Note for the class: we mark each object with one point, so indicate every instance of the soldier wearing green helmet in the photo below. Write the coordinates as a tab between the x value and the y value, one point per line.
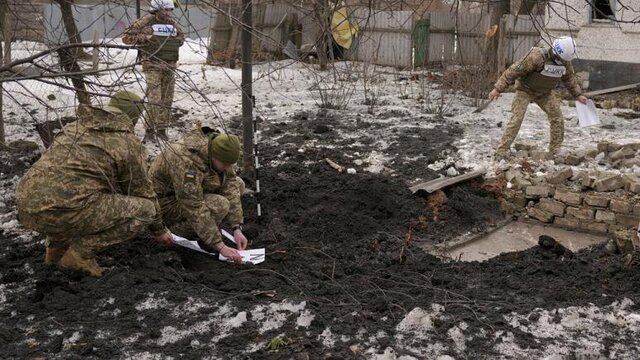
158	36
90	189
198	189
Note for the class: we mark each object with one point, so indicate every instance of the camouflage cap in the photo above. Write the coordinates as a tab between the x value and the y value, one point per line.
128	102
225	147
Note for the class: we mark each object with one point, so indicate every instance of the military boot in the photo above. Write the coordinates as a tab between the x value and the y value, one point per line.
149	136
74	261
54	254
162	134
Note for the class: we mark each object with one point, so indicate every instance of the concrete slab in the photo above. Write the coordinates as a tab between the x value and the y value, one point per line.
516	236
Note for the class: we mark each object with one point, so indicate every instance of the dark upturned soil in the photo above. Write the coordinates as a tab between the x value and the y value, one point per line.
344	243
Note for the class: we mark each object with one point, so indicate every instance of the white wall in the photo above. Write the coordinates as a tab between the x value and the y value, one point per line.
608	41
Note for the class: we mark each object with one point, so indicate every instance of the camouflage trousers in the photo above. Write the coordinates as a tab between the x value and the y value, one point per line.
550	104
106	220
159	93
176	219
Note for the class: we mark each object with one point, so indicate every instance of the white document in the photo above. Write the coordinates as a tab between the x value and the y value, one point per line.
587	115
253	256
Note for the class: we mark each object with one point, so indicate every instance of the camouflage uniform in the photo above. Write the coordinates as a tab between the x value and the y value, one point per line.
90	190
195	198
159	55
535	77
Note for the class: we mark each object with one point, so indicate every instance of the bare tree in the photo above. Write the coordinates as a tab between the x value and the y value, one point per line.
71	28
497	9
321	16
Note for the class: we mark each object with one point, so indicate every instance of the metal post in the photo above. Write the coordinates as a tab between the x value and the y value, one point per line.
4	15
257	168
138	9
246	86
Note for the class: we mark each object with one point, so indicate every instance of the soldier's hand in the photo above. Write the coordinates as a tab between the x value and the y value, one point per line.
494	94
230	253
166	238
583	99
240	239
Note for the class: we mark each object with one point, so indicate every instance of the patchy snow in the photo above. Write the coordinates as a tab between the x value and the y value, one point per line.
172	334
274	315
327	338
211	95
583	327
305	318
191	306
152	303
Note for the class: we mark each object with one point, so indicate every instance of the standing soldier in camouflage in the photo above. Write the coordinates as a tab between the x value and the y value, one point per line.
198	189
90	190
158	37
535	77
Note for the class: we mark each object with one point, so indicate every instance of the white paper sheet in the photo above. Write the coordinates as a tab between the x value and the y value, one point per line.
253	256
587	115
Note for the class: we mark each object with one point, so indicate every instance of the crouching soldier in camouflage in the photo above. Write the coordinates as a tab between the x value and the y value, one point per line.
158	37
198	189
90	190
535	77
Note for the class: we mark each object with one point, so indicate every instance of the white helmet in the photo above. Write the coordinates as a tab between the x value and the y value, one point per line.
155	5
565	48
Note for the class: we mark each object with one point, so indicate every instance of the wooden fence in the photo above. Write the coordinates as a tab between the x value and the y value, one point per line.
385	37
274	25
519	34
392	38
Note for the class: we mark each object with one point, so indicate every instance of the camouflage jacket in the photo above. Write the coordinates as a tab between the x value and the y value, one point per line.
535	61
99	153
140	33
184	171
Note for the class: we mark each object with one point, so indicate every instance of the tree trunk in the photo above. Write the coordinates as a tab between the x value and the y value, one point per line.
321	15
71	28
4	6
69	64
497	9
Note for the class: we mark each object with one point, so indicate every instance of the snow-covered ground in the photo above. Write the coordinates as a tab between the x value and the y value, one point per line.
286	87
211	96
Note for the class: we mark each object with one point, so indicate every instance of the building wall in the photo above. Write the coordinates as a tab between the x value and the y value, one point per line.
597	40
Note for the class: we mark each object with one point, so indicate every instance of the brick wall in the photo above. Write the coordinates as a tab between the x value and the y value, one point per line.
594	201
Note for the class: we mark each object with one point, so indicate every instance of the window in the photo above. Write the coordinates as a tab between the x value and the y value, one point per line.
603	9
532	7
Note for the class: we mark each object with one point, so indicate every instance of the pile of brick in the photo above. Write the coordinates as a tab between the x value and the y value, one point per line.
592	201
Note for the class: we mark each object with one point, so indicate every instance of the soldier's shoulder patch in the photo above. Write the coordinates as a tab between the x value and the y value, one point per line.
519	67
190	175
189	184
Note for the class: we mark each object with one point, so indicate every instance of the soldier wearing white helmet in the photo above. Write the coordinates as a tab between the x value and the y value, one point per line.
565	48
158	37
535	76
156	5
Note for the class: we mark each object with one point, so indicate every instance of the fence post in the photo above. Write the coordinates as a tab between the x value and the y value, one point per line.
502	41
212	23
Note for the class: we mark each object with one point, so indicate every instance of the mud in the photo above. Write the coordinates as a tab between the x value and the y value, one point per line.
344	244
